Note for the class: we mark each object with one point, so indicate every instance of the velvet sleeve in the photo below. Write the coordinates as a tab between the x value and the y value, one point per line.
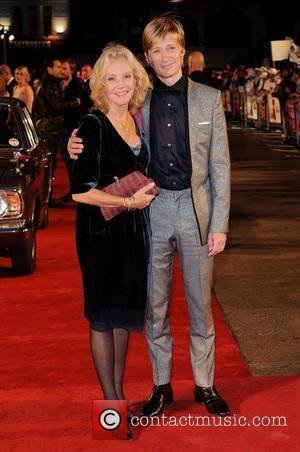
86	169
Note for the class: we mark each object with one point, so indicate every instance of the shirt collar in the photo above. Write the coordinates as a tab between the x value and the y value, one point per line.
178	87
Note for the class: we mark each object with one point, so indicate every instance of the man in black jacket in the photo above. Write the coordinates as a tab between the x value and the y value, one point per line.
86	91
196	66
9	78
72	90
49	106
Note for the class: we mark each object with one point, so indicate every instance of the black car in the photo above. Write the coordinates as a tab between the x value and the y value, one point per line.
25	184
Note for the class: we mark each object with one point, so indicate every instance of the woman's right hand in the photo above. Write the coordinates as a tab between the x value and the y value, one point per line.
141	198
75	145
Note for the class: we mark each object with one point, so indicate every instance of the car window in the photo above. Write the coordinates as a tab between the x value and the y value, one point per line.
9	135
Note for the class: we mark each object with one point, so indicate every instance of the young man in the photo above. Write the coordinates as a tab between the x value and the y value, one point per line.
190	163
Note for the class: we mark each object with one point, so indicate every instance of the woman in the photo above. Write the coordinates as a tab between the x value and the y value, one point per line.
23	90
113	255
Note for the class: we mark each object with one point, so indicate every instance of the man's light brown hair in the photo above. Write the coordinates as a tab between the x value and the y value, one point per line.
158	29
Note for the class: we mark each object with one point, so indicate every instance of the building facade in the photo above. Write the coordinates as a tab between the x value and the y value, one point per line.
231	31
41	28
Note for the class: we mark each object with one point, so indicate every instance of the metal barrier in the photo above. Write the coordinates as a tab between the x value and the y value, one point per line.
292	115
264	112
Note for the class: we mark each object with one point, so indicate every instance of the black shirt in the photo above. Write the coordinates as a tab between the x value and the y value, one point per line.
170	165
10	86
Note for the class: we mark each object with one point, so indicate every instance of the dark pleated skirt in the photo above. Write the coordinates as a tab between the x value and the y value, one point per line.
114	260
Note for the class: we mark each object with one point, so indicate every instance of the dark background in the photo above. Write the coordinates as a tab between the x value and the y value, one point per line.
226	31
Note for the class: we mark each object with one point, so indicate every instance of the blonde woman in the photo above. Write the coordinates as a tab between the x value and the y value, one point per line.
113	254
23	90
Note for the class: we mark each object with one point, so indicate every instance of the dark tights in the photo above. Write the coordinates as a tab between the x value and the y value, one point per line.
109	349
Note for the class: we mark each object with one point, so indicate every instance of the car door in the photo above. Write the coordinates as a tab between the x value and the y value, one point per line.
39	164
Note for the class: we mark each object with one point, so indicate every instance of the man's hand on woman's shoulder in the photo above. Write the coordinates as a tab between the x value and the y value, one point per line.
75	145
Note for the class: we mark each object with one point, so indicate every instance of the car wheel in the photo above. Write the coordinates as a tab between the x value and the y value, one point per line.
24	255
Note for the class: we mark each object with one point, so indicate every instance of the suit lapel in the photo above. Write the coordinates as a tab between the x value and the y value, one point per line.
199	113
193	113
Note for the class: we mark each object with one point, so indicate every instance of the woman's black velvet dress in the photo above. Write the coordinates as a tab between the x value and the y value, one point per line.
113	255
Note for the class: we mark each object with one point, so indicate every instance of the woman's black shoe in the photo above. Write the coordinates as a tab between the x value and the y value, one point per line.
130	415
161	395
129	434
212	400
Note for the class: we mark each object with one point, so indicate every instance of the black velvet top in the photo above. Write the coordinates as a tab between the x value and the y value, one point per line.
108	156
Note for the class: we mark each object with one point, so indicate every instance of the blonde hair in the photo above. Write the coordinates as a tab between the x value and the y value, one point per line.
112	52
25	72
158	29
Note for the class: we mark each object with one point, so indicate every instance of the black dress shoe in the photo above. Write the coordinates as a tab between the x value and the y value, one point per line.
161	395
212	400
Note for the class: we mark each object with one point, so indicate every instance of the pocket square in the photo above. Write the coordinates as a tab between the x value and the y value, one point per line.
203	123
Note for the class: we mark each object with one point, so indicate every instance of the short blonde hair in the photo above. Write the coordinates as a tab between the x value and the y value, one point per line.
25	71
158	29
111	52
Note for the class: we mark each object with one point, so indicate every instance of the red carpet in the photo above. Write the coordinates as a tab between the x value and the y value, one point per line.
47	381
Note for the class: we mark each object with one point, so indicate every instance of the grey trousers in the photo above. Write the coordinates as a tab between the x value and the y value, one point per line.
174	227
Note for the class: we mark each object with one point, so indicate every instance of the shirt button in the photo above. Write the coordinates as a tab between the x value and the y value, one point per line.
169	125
169	105
169	145
174	183
171	164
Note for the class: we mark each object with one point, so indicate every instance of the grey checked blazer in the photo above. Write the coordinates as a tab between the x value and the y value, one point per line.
209	156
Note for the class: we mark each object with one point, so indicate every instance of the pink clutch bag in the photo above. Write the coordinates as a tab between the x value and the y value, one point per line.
126	186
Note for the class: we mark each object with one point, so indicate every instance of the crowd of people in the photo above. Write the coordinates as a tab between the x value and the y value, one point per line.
73	82
61	97
57	101
283	82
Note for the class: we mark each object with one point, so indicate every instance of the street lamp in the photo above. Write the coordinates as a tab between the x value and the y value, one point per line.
5	35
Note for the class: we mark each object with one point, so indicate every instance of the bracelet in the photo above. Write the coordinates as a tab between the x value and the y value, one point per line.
130	200
129	203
